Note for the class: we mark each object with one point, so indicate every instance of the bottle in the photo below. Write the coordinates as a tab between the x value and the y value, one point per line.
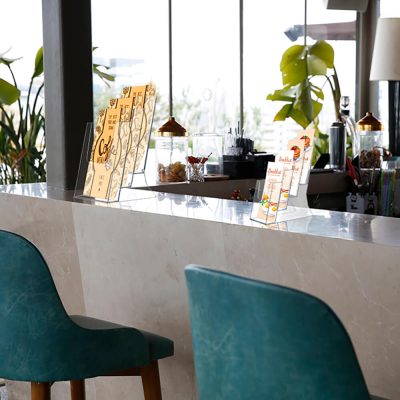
337	145
350	125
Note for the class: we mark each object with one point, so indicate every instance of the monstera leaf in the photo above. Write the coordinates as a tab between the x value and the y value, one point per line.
303	99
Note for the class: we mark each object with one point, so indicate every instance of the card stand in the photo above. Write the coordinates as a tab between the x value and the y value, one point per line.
141	127
88	174
265	207
285	191
293	186
261	213
84	163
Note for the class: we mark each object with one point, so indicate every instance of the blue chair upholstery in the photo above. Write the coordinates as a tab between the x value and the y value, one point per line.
254	340
39	342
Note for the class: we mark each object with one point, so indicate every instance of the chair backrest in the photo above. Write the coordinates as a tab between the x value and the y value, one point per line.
31	312
255	340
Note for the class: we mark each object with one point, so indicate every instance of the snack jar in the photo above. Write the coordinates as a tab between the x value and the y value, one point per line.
171	146
371	141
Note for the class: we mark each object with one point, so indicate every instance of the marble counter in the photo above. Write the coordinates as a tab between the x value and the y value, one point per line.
330	224
124	262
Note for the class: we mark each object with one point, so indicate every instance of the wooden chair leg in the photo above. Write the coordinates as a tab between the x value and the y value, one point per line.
78	390
40	391
151	381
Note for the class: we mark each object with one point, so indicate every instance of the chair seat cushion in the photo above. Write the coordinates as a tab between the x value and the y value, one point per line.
158	346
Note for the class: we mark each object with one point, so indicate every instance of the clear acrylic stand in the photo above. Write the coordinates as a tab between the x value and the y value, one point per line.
262	214
103	181
265	208
291	190
141	126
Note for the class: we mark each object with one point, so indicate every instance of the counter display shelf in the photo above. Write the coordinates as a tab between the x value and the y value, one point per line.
124	262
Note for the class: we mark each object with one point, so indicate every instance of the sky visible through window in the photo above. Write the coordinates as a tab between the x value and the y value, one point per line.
21	34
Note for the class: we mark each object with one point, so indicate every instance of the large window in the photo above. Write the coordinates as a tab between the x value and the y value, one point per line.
269	31
206	64
132	39
21	34
205	43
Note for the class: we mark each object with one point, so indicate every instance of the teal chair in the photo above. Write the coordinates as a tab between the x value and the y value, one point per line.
41	344
256	341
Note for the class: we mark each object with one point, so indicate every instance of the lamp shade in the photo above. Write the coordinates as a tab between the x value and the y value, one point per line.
386	56
356	5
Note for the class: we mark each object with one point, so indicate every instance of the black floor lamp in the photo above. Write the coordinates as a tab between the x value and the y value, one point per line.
386	67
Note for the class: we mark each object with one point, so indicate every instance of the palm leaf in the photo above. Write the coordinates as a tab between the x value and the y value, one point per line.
7	61
9	94
38	64
11	134
103	75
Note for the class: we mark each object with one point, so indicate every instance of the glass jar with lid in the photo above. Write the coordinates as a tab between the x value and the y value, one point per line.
371	141
171	147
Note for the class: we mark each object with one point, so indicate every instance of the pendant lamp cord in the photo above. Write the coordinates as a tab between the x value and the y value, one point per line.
171	108
305	22
241	117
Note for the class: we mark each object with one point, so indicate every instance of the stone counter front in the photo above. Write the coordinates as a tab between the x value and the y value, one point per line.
125	262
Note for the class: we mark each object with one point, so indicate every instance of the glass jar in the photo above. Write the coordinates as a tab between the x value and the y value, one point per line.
371	141
171	148
196	172
209	145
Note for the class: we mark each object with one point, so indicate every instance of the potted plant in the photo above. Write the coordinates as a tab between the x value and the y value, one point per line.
22	144
300	66
22	128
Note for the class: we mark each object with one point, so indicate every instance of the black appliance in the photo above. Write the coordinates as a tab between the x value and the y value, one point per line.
246	167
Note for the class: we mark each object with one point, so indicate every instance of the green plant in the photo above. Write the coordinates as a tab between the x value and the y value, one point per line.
22	128
104	76
22	144
300	66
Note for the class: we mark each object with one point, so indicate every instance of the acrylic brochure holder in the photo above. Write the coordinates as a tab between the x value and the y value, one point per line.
266	214
109	164
141	127
282	195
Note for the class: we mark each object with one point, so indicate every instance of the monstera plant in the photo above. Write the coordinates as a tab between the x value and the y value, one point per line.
301	66
22	124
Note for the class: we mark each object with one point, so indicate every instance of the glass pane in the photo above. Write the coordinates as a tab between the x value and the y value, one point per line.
134	43
21	33
206	64
269	31
21	37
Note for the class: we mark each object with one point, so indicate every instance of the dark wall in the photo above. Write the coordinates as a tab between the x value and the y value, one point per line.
67	41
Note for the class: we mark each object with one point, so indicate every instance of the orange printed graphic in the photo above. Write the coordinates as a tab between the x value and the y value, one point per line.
307	141
297	151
